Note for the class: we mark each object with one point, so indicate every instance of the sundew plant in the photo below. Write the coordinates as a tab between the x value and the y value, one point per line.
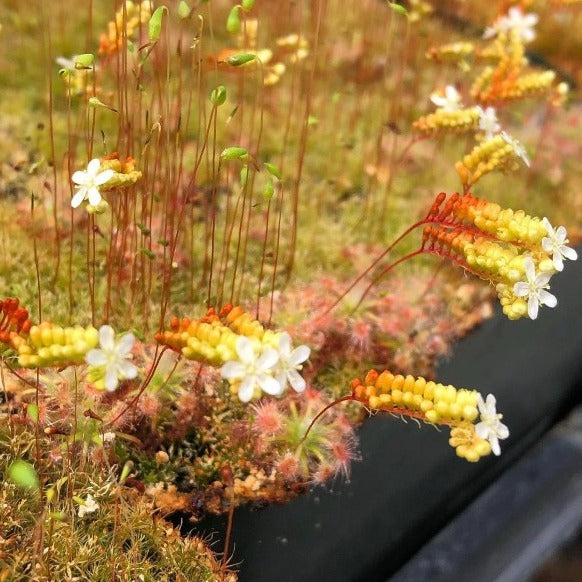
232	231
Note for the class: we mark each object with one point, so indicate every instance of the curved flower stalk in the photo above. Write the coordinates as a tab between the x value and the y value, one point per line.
515	251
435	403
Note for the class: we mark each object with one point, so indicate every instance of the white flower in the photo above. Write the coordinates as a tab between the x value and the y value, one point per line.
518	149
488	121
534	288
88	506
555	243
113	357
490	428
88	183
109	437
68	64
517	21
289	363
252	370
450	101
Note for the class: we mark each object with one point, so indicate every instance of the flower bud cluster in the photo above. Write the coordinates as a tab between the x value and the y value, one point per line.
506	81
476	426
488	156
53	345
212	338
468	444
14	322
136	14
454	52
124	173
444	121
435	402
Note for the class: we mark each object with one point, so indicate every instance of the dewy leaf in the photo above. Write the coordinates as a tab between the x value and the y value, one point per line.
155	24
398	8
23	474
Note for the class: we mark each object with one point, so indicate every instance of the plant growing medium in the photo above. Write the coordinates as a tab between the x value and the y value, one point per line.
199	302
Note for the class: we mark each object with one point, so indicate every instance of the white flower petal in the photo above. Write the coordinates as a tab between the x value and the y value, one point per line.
267	360
94	196
296	380
125	344
269	385
491	404
543	278
127	370
103	177
521	289
482	430
285	344
80	177
546	298
281	377
569	253
106	338
244	349
494	442
502	431
246	389
532	307
93	166
233	370
111	380
96	358
530	271
78	197
299	355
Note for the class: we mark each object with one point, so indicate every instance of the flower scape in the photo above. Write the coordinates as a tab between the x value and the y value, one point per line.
205	291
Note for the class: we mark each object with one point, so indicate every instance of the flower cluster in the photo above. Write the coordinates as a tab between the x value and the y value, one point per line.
497	153
110	362
102	175
515	21
128	18
435	403
252	359
269	367
517	252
